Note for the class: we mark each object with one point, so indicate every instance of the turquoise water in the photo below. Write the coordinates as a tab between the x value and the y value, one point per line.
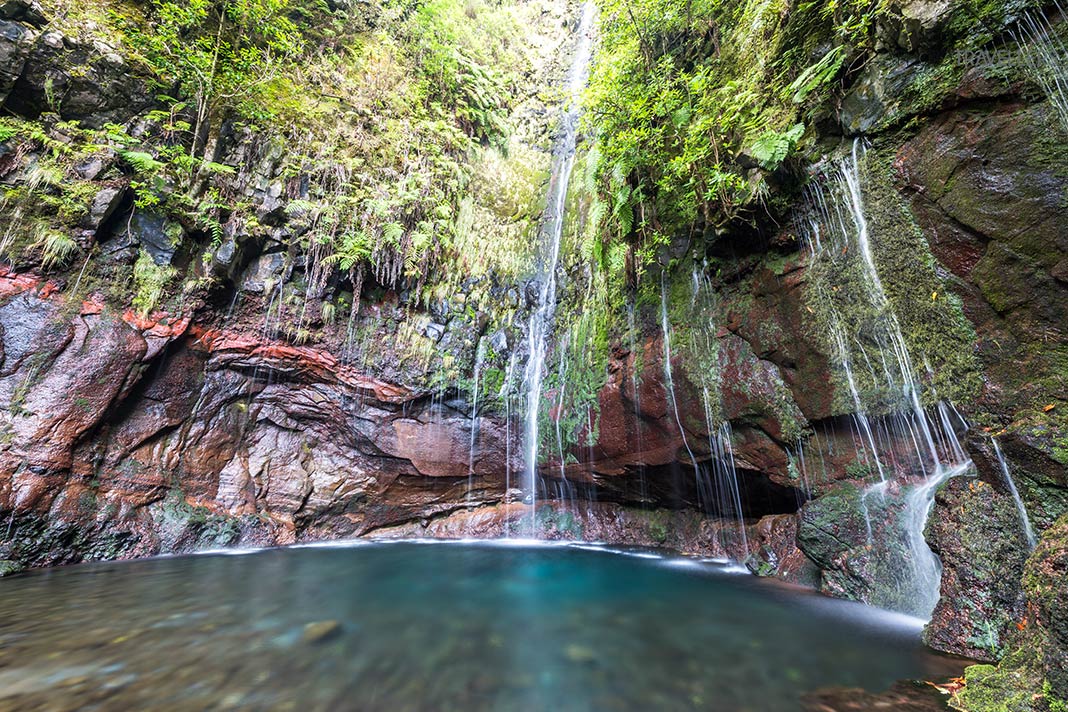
412	626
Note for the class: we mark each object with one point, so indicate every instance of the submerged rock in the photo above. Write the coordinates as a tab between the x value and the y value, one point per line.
321	631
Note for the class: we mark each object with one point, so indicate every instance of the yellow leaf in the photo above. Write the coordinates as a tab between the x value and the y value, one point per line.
1049	407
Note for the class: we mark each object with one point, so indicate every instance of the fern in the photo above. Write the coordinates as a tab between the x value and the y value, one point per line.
771	149
817	75
392	233
141	162
219	168
58	248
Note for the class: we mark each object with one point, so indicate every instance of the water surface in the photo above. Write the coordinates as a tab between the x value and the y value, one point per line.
410	626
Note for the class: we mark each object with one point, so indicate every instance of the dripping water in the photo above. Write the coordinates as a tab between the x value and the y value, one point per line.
1029	533
632	333
541	321
476	421
1046	58
936	451
669	379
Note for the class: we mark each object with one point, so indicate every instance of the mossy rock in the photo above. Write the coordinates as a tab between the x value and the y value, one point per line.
1046	585
8	567
1033	677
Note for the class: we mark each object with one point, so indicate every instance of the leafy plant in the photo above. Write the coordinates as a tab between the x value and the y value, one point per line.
772	148
58	248
150	281
818	75
141	161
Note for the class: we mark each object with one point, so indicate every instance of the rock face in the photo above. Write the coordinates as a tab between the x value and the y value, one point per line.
159	436
1044	585
124	434
980	541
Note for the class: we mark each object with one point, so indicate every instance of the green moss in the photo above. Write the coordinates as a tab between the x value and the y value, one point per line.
990	689
8	567
559	521
930	317
209	528
150	282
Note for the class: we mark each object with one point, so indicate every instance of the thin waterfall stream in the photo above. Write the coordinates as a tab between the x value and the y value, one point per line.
539	329
1025	521
936	452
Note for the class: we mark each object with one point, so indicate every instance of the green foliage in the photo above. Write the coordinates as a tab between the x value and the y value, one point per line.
58	248
681	90
141	161
220	54
772	148
818	75
150	281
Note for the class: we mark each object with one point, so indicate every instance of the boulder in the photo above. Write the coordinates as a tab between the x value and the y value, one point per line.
977	534
90	83
16	42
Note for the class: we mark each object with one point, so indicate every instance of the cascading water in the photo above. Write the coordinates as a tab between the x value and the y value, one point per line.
716	480
480	358
1046	58
541	320
632	334
669	377
933	448
1025	521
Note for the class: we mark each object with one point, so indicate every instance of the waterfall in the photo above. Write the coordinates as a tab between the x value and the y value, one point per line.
480	357
635	384
934	449
669	378
1029	533
718	491
541	320
1046	58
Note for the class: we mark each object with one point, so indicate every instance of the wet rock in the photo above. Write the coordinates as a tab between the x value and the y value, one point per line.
1045	581
28	11
767	311
859	537
875	95
976	532
914	25
266	270
776	553
754	393
159	237
224	259
902	697
8	567
985	187
434	332
16	41
86	83
92	167
498	341
104	205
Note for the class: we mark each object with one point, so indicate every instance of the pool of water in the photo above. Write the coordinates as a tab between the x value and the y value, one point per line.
418	626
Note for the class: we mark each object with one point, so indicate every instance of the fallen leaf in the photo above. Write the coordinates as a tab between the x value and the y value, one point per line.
951	687
1049	407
